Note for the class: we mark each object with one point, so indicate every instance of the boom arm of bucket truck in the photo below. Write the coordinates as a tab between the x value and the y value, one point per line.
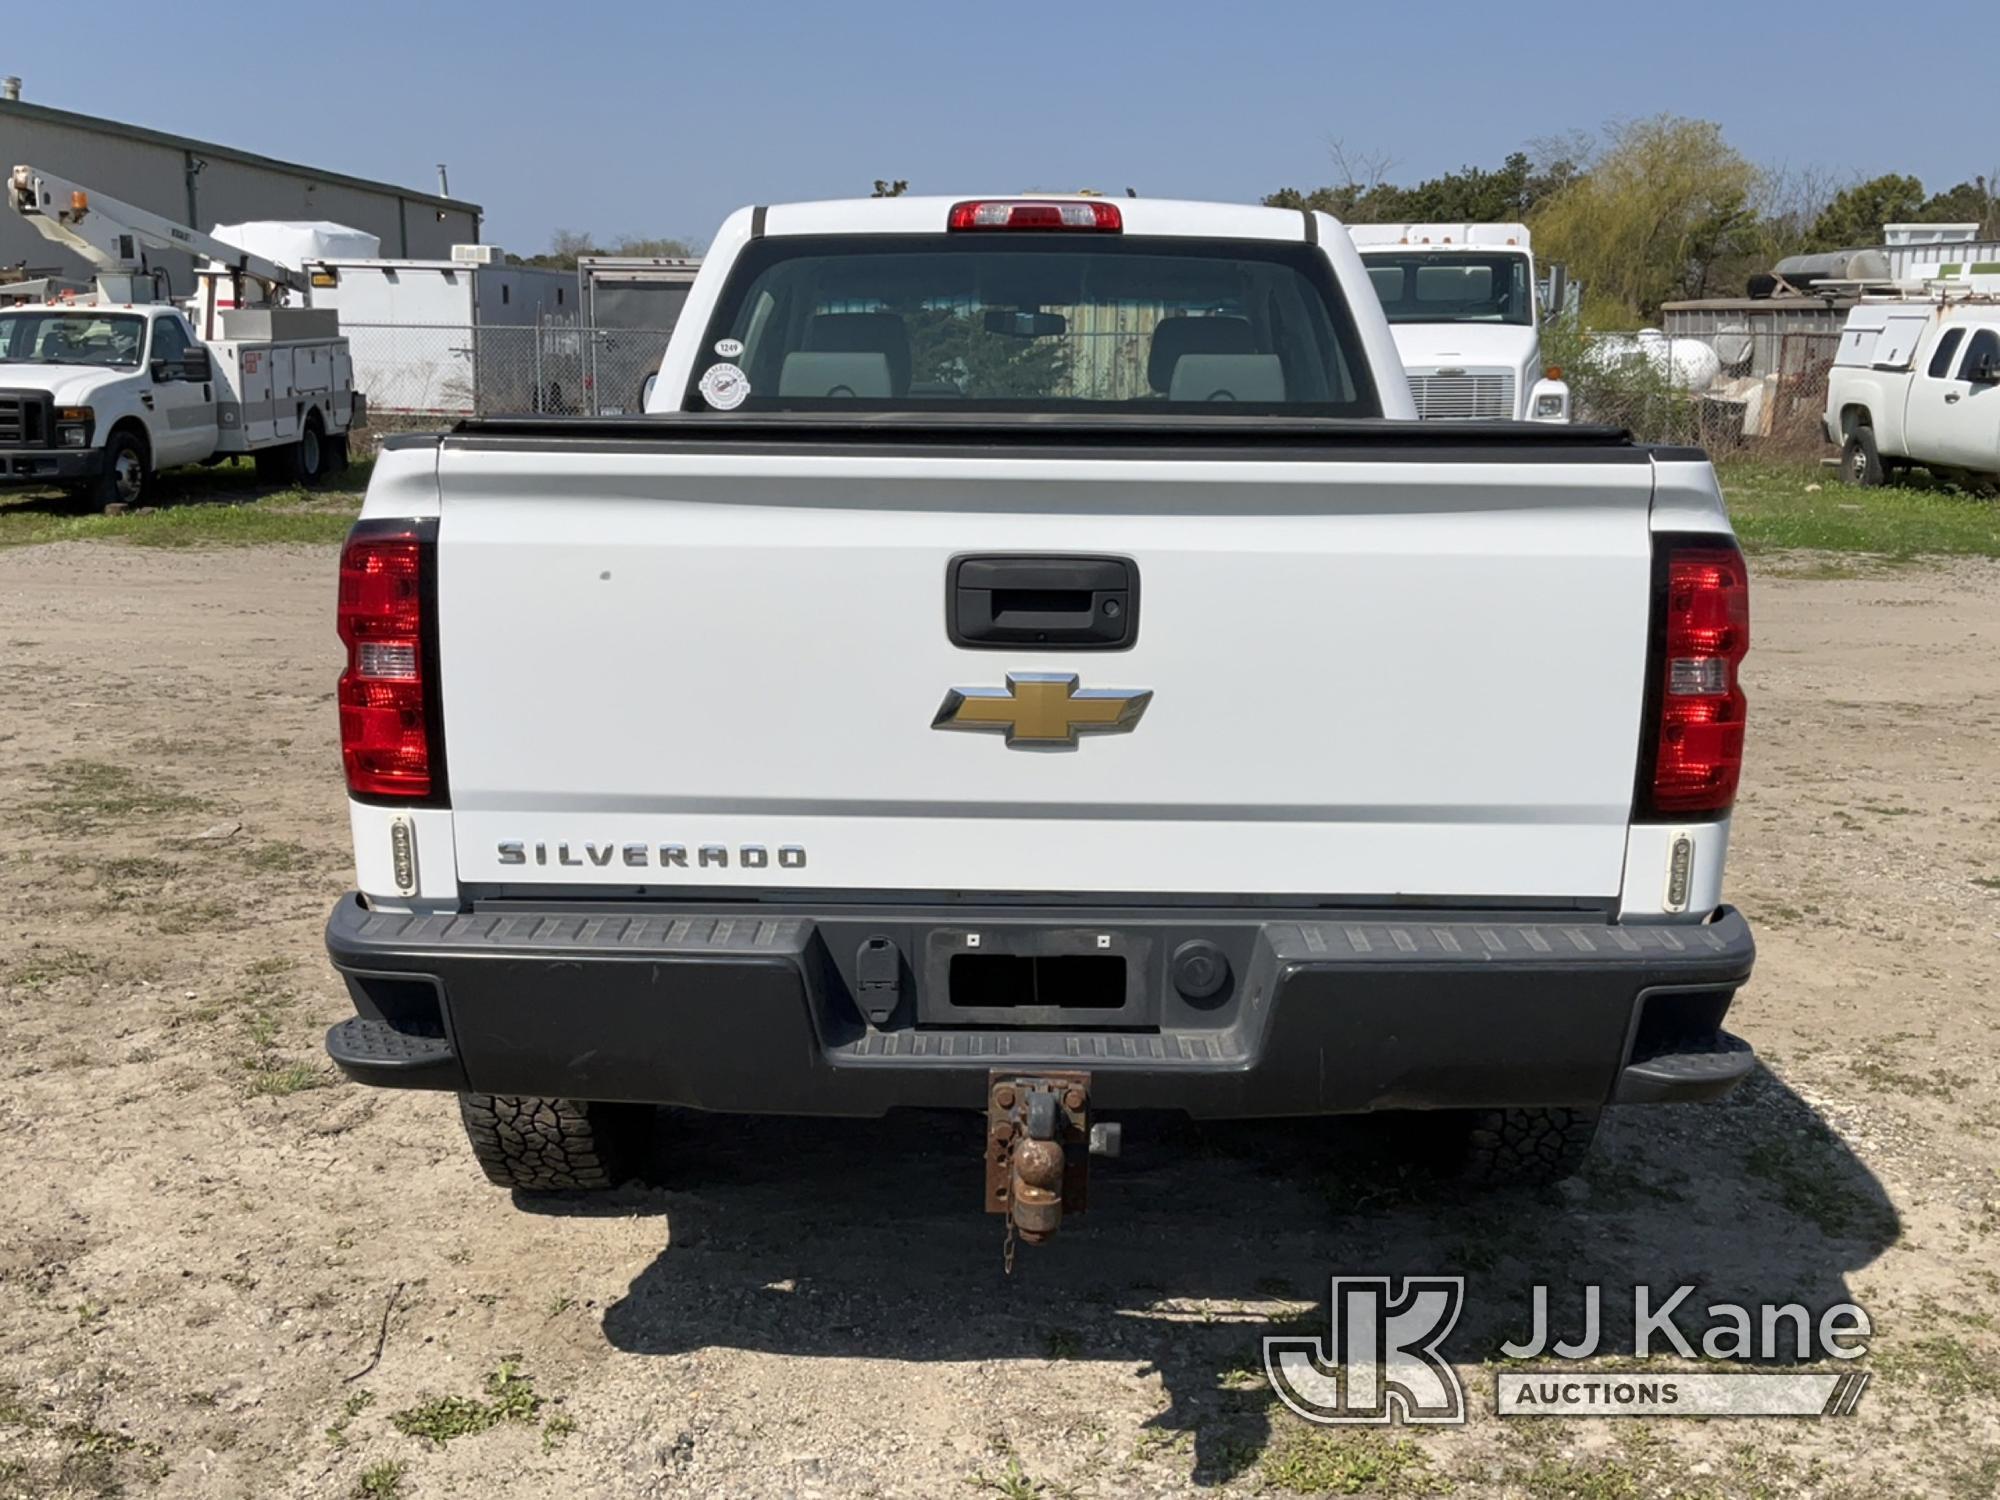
113	237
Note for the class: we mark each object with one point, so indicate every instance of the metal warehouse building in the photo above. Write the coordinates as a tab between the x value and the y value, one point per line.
203	184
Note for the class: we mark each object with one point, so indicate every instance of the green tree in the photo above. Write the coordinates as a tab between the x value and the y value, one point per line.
955	347
887	189
1968	203
1471	195
1665	211
1854	219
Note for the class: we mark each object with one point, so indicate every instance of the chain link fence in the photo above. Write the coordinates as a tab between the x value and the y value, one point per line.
1725	388
448	371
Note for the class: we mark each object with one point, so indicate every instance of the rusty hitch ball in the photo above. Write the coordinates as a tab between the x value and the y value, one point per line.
1037	1189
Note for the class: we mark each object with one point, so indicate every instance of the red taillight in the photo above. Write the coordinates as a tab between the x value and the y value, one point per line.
1019	213
1704	635
386	722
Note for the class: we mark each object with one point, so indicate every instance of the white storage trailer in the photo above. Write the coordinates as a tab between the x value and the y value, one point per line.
453	338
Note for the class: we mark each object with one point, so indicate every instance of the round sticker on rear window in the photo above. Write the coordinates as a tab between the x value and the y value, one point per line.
724	387
728	348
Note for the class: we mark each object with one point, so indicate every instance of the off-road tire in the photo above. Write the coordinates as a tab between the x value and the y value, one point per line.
1526	1145
1860	463
554	1145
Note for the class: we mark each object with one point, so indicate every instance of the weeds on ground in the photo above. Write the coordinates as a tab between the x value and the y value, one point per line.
1783	506
1318	1462
220	506
510	1397
82	796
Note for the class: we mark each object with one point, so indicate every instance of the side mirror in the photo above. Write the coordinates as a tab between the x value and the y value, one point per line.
1986	372
162	371
196	366
646	391
1558	292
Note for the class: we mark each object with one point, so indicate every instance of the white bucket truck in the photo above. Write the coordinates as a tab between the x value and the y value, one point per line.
100	391
1463	306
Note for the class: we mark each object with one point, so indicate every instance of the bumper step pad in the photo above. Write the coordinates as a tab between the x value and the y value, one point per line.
375	1052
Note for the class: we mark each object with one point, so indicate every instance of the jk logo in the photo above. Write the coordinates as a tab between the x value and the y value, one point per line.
1379	1359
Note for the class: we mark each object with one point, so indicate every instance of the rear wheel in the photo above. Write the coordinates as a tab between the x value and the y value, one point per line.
1860	462
1526	1145
538	1145
309	458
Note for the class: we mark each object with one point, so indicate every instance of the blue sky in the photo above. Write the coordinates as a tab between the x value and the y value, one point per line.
659	118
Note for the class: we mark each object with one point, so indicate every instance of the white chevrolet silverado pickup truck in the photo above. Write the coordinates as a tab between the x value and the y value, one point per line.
1031	660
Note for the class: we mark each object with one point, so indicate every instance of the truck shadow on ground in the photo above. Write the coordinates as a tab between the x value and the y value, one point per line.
863	1239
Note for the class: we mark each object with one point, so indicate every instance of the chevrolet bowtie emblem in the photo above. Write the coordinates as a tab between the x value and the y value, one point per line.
1043	708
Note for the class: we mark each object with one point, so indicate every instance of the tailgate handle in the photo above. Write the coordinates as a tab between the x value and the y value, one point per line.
1078	603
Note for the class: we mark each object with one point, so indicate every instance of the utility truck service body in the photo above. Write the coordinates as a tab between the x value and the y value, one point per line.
1462	304
889	719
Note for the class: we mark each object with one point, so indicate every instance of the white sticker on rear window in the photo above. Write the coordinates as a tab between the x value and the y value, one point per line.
728	348
724	387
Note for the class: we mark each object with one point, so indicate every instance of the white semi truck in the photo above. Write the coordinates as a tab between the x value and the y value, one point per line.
1463	305
887	718
100	391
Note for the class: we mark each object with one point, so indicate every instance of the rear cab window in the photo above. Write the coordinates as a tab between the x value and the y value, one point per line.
1024	322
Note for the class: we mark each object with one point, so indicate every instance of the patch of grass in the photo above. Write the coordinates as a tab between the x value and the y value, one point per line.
556	1431
1011	1483
193	916
1772	509
43	967
1553	1478
1318	1462
352	1407
274	1078
1810	1184
1882	1078
383	1481
280	857
1987	882
1064	1343
80	796
222	506
510	1397
1950	1368
1882	810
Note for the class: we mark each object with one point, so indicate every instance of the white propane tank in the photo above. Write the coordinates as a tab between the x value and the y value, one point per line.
1687	364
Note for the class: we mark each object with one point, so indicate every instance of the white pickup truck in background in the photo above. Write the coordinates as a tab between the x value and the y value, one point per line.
1030	661
1917	382
1461	300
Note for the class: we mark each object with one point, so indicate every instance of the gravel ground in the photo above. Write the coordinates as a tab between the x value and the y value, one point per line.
211	1237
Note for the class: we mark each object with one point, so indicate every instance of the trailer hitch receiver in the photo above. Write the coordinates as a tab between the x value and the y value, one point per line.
1037	1157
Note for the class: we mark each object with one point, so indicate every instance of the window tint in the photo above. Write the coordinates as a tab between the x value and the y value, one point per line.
1985	346
170	340
1037	323
1947	347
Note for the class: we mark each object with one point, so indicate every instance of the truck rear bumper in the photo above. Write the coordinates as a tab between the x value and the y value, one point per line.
767	1009
49	465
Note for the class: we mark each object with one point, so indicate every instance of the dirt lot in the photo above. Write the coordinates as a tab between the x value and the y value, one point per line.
208	1234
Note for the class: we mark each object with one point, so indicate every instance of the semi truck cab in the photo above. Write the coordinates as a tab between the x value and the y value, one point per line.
1462	306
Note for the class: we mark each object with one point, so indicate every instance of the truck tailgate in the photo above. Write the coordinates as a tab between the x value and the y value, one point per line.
1373	674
